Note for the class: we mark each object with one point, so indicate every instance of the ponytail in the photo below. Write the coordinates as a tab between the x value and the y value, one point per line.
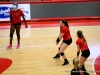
76	63
83	38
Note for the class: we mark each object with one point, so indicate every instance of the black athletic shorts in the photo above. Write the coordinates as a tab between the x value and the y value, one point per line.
86	53
68	42
19	23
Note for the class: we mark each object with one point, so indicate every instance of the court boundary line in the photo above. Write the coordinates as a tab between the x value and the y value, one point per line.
32	46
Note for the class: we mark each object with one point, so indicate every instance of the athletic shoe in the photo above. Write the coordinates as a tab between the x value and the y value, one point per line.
18	46
57	56
9	47
65	63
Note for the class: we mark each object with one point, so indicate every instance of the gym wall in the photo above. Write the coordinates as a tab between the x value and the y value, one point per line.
67	10
56	10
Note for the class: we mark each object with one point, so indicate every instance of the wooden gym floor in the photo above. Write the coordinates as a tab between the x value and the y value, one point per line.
35	57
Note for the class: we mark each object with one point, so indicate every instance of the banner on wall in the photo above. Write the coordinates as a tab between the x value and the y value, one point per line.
5	10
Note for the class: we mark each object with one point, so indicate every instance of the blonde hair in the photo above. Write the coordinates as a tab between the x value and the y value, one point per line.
76	63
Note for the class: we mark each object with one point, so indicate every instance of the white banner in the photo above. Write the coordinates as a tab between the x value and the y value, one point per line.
5	10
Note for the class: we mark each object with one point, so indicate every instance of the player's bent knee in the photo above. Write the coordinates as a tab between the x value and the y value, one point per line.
61	53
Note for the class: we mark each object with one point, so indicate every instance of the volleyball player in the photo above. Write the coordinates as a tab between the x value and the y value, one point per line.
67	40
15	20
83	47
77	70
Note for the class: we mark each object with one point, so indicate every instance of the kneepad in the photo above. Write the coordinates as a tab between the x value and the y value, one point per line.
61	53
18	36
11	35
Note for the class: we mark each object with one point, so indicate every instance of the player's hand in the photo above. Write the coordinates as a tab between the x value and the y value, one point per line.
26	26
57	43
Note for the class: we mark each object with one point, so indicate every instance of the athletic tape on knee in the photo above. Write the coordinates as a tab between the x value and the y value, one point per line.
18	36
62	54
11	35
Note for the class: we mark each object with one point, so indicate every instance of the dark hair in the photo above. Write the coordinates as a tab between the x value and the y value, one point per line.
76	63
15	3
65	23
80	35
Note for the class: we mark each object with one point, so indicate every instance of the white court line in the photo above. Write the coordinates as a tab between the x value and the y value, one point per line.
31	46
46	46
35	46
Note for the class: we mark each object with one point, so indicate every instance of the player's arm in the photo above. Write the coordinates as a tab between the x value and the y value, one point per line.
22	14
24	20
11	21
59	37
78	50
11	18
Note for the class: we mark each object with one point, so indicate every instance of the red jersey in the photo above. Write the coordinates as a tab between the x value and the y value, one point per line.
65	30
16	16
81	44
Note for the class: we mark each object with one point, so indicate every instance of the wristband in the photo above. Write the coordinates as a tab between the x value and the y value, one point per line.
78	53
58	40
